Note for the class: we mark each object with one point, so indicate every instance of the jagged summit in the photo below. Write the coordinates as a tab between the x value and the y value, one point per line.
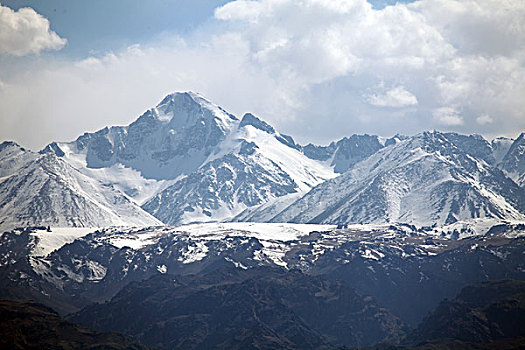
53	147
167	141
183	108
13	157
9	147
8	144
250	119
345	153
500	147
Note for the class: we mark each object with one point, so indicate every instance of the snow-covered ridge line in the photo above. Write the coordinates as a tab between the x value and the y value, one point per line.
67	257
55	238
280	239
277	238
189	161
430	178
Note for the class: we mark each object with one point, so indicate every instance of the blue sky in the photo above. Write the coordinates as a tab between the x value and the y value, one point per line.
316	69
101	25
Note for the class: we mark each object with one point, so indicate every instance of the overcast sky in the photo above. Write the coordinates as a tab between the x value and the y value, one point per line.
315	69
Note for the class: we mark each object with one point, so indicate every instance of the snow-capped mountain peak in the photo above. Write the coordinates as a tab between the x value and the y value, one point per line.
188	160
165	142
49	191
250	119
426	179
185	109
13	157
252	166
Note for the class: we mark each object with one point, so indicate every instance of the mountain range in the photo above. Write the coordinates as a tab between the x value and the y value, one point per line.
187	160
249	285
194	228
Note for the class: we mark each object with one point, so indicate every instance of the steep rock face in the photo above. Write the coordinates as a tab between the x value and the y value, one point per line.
424	180
500	147
514	161
221	189
187	160
354	149
171	139
345	153
48	191
321	153
475	145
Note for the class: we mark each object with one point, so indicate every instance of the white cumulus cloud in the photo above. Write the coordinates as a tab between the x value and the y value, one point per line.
317	69
395	97
318	40
484	119
25	32
447	116
487	27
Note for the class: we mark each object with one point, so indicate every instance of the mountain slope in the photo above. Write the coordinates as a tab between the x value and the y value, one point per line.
165	143
48	191
13	157
254	165
187	160
474	145
407	270
480	313
235	308
423	180
514	161
28	325
171	139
